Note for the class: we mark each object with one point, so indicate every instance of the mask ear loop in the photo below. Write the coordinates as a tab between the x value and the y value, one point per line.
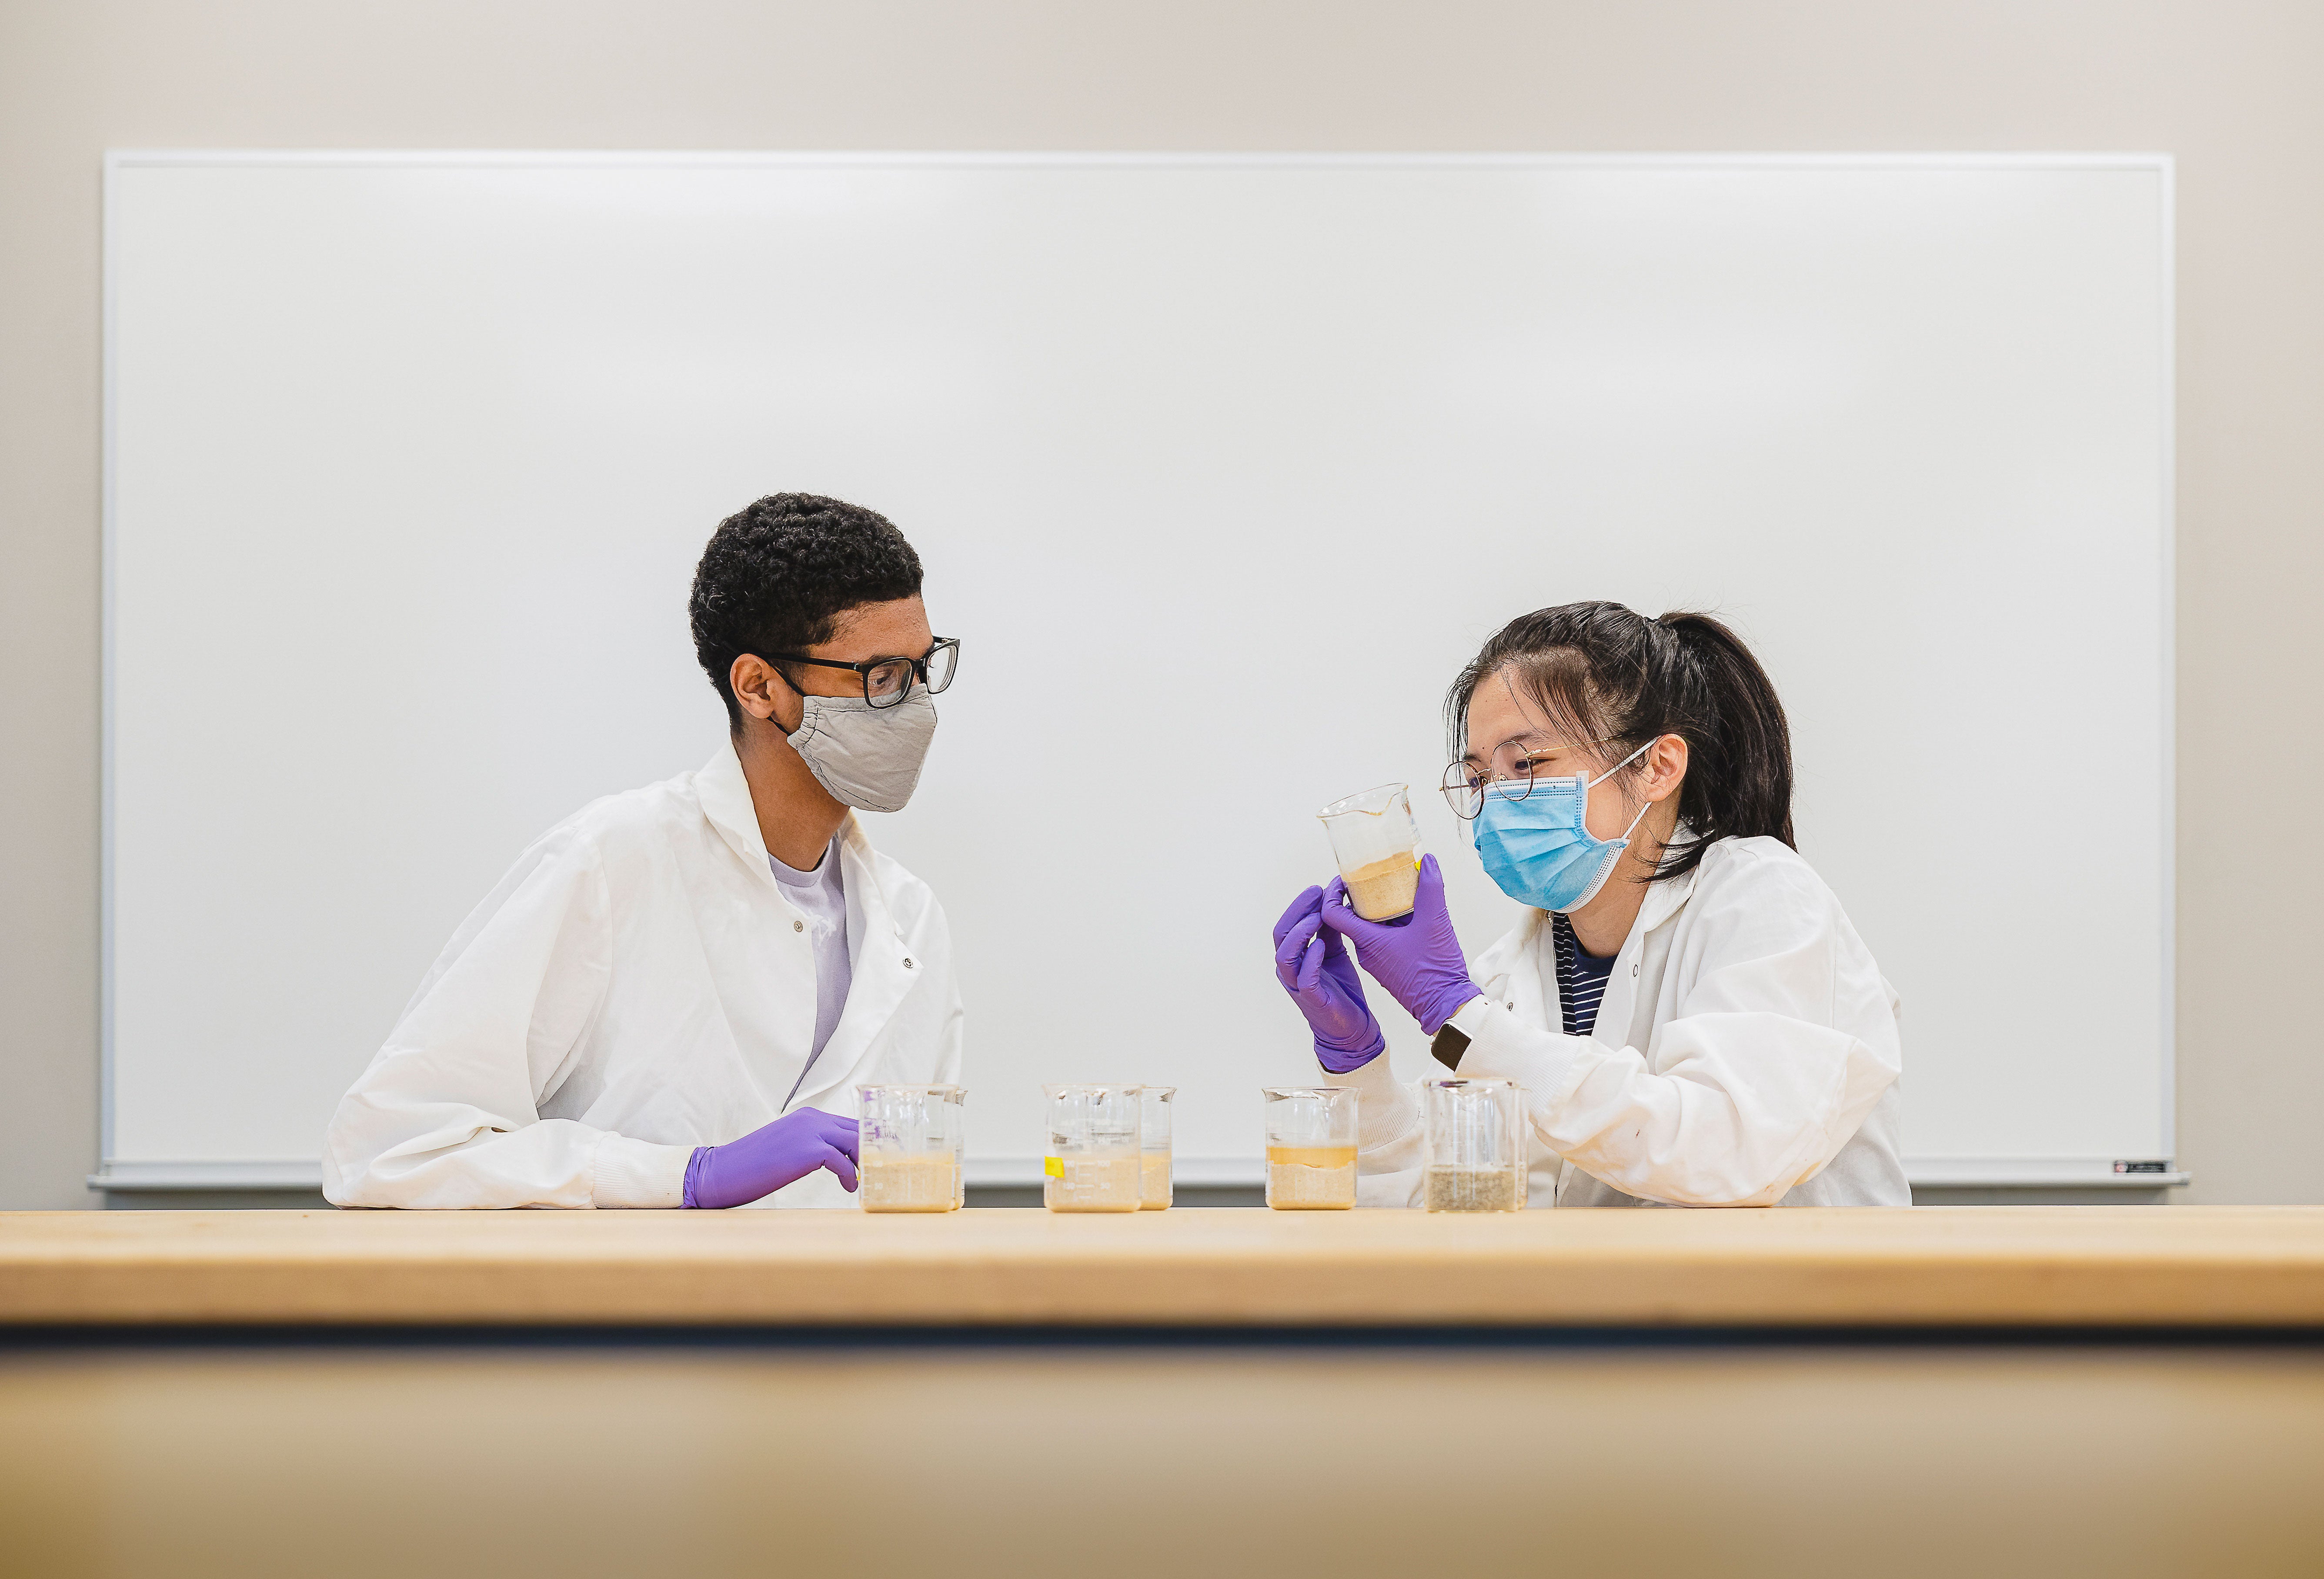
1641	817
1617	767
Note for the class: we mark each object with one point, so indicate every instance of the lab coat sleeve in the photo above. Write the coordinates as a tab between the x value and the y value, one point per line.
1757	1088
447	1114
1388	1172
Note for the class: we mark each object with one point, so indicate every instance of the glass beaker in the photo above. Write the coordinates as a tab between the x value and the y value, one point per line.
957	1098
1154	1149
1310	1148
1092	1163
908	1147
1473	1139
1377	845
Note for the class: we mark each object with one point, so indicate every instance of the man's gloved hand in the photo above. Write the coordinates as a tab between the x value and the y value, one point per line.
771	1156
1314	967
1418	958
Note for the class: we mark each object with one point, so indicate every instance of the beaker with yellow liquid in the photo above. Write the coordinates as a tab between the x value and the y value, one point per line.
909	1143
1377	845
1154	1149
1096	1160
1310	1148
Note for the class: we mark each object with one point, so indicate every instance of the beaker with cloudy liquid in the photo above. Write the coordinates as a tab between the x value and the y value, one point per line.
910	1141
957	1122
1310	1148
1377	845
1095	1157
1473	1145
1154	1148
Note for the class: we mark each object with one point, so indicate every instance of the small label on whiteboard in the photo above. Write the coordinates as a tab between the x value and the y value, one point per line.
2141	1167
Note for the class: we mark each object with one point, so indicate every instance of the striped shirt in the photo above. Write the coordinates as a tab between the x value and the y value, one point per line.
1580	977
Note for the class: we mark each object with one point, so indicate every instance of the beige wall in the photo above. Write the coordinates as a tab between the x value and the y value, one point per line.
2234	89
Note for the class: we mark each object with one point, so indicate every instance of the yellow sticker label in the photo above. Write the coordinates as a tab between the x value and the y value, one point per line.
1055	1167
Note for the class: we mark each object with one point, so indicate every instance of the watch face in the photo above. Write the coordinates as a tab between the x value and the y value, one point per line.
1448	1047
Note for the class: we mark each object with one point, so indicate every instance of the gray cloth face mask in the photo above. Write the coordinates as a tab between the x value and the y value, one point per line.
867	756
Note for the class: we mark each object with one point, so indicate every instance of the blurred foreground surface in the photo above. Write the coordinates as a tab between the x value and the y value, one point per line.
1132	1461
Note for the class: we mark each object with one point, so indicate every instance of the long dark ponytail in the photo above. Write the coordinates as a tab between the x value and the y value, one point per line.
1603	672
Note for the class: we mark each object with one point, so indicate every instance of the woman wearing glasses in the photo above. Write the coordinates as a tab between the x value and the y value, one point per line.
649	1009
1692	1018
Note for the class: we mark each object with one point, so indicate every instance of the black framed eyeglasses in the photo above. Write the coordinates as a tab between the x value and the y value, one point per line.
888	681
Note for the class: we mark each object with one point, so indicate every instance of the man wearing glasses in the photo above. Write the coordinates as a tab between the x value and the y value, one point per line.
671	998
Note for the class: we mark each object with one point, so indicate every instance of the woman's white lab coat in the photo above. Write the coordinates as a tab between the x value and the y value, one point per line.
1745	1054
638	986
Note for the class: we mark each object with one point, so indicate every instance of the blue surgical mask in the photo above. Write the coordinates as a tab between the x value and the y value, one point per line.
1540	851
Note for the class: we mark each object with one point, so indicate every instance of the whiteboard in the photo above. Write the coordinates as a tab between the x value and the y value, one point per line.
1221	468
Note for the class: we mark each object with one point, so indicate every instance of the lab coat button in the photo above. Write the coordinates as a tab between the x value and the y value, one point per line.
907	962
1634	967
798	926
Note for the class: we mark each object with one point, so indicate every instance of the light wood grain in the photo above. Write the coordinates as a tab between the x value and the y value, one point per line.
1730	1462
2041	1266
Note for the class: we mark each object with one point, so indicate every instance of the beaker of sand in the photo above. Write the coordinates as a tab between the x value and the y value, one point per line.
1095	1157
909	1145
1377	848
1154	1149
1310	1148
1473	1140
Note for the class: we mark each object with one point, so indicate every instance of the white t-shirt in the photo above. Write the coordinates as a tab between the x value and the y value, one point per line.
821	895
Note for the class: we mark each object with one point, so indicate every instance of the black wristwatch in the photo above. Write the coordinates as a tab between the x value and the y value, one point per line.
1449	1045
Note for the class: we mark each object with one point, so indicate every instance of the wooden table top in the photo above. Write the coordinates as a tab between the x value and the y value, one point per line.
2107	1266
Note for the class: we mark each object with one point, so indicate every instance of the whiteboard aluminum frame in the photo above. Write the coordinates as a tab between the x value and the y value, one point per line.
1188	1172
1953	1172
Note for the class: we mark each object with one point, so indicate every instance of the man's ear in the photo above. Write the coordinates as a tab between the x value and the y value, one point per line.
1665	767
761	691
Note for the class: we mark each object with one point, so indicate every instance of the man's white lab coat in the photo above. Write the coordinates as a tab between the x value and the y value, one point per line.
1745	1054
638	986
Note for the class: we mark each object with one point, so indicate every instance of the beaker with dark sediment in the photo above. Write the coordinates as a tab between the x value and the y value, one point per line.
1474	1140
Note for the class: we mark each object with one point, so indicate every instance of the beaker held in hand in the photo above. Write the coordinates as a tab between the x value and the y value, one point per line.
1377	845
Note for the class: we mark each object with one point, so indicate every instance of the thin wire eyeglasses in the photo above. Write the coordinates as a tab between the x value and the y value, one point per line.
886	682
1464	787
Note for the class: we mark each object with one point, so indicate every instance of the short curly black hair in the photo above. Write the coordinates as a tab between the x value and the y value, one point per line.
777	575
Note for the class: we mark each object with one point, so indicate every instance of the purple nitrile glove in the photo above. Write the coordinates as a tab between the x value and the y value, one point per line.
1418	957
1314	967
771	1156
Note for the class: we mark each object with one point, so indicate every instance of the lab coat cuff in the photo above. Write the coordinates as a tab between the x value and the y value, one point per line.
1470	1018
1384	1108
1371	1080
637	1173
1503	1047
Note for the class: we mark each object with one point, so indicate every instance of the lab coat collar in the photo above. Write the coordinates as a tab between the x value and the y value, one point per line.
1615	1008
1664	900
725	797
881	968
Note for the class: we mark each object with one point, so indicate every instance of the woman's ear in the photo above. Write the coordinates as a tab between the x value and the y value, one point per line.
762	693
1663	768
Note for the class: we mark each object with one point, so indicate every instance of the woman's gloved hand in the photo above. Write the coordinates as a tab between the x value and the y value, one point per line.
771	1156
1314	967
1417	957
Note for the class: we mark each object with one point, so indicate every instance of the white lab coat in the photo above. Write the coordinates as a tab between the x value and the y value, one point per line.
638	986
1746	1054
